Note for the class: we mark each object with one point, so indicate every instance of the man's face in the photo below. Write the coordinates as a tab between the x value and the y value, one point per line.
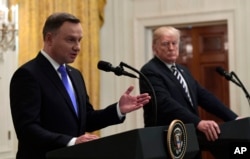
167	48
65	42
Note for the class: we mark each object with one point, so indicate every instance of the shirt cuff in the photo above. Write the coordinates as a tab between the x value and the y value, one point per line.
120	115
72	142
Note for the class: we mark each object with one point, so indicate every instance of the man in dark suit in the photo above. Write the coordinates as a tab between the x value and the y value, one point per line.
42	109
175	99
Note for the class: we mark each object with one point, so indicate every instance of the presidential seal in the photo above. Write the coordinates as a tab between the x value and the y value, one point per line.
176	139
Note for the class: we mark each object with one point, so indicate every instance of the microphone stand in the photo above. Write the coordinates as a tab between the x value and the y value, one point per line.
153	99
240	84
235	82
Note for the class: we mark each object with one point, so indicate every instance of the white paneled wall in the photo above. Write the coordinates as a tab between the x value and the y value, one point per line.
7	134
115	35
126	36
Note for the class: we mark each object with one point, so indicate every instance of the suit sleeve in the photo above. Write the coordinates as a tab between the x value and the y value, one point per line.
213	105
209	101
168	108
96	119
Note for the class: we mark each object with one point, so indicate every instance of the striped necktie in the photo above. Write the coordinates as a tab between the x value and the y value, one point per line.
68	86
182	81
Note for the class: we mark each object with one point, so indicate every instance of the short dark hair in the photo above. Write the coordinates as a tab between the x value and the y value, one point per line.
56	20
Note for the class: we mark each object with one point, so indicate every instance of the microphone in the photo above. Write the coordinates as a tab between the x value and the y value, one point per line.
227	75
106	66
222	72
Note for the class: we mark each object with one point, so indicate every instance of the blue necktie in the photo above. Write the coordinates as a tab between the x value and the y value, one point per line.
68	87
179	77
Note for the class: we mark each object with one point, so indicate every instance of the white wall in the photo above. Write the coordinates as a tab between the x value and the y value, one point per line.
116	46
7	145
8	64
126	37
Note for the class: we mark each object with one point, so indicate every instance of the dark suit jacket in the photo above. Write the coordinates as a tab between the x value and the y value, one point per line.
172	101
43	114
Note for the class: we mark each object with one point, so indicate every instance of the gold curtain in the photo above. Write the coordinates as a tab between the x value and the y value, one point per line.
32	15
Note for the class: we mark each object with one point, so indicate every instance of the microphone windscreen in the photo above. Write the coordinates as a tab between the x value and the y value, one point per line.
220	70
103	65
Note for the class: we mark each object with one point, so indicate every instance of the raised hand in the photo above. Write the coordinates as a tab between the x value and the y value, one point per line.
128	103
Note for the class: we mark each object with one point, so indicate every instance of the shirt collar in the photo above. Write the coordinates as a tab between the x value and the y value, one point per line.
167	64
52	61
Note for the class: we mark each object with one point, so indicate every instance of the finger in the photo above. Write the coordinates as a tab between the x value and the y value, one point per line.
137	107
143	102
129	90
207	136
94	137
213	134
217	128
91	136
214	130
90	139
143	96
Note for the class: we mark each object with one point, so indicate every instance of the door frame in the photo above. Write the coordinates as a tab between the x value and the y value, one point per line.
143	37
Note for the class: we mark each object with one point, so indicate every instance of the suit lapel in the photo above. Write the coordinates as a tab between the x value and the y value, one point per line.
52	74
170	75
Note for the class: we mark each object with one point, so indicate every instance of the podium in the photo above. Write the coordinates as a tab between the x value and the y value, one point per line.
233	132
143	143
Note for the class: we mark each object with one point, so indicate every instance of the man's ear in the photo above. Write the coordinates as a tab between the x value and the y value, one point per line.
154	49
48	38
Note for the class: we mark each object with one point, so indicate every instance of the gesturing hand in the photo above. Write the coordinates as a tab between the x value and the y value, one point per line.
128	103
